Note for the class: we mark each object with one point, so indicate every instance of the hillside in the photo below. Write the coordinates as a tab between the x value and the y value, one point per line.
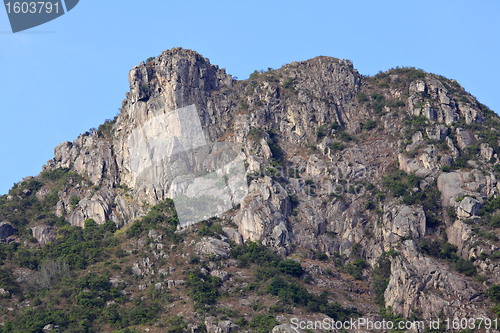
210	204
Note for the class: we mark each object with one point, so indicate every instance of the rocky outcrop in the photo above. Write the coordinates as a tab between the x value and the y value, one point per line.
285	328
454	185
425	164
309	119
486	151
468	207
94	206
438	132
211	246
233	235
401	221
415	280
44	234
464	138
469	244
222	275
6	230
223	326
264	212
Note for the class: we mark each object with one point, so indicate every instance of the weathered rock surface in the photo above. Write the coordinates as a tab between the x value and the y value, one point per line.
6	230
44	234
304	119
286	328
223	326
402	221
212	246
233	235
414	276
264	212
464	138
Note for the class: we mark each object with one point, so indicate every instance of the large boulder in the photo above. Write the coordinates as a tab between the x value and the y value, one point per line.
464	138
212	246
6	230
44	234
233	235
468	207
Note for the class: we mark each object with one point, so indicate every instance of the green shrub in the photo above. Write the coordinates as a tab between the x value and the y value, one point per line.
255	74
362	97
203	288
263	323
356	268
380	275
289	83
336	146
321	131
369	125
446	168
290	267
494	293
74	201
296	294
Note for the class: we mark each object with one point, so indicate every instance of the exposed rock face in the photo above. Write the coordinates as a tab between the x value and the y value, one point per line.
403	221
233	235
264	212
486	151
439	132
44	234
314	169
413	275
469	244
214	247
468	207
6	230
464	138
454	185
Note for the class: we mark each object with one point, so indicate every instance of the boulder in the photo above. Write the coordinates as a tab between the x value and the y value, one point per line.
223	275
468	207
223	326
438	132
212	246
44	234
464	138
6	230
486	151
233	235
285	328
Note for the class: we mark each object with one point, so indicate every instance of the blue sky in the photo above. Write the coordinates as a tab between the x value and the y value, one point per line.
66	76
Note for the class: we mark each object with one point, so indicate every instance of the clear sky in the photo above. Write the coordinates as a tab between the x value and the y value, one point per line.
59	79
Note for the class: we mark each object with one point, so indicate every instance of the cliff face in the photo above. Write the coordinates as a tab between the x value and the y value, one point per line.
390	166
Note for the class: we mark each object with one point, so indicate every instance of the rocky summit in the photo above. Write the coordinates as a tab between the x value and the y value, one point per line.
305	194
